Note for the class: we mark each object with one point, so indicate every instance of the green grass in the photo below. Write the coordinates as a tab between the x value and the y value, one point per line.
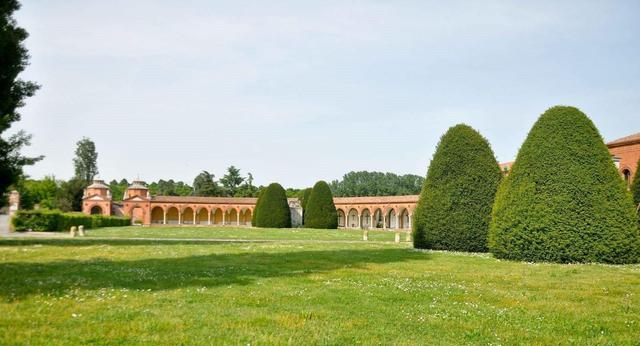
126	291
241	233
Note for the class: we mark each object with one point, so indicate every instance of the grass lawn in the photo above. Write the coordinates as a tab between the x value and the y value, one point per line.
124	291
240	233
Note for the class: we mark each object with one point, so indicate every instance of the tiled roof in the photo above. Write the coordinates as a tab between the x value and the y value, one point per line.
204	200
376	199
624	140
97	184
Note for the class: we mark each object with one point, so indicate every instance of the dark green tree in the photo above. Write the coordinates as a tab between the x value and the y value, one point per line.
454	209
320	211
13	92
376	184
564	200
38	192
232	181
635	188
205	185
272	209
69	197
86	161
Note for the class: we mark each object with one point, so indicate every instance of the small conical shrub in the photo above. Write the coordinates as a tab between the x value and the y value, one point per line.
272	209
321	212
564	200
457	196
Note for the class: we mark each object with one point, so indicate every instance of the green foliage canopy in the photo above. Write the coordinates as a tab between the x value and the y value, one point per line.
564	200
13	92
376	184
455	204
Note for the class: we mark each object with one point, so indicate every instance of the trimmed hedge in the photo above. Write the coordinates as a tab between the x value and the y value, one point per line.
272	208
321	212
635	186
455	204
564	200
57	221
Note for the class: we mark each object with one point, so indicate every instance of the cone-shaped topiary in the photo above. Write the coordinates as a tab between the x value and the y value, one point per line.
455	204
255	209
304	199
273	208
564	200
321	212
635	187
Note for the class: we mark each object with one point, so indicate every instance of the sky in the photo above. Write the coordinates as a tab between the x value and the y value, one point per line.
297	91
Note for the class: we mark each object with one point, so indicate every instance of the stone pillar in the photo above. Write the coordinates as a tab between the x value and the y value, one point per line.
179	217
72	231
194	216
360	220
384	221
209	218
81	230
164	217
365	235
237	218
410	216
224	214
397	238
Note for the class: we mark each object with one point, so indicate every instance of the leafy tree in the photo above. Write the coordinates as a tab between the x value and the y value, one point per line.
69	196
247	189
376	184
273	208
320	211
86	160
205	185
232	180
38	192
118	188
454	209
13	92
563	200
635	187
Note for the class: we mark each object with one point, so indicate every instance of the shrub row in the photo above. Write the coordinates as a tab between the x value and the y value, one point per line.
56	221
563	200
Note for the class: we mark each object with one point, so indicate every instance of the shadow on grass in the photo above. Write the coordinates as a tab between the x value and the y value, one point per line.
119	241
21	279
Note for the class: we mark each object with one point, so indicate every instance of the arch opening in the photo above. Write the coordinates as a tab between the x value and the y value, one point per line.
173	216
202	217
96	210
157	215
352	219
366	218
341	218
187	216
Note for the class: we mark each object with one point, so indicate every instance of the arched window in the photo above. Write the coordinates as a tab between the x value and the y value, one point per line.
627	176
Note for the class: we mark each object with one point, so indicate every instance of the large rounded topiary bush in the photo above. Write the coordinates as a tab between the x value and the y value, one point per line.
564	200
320	211
455	204
272	208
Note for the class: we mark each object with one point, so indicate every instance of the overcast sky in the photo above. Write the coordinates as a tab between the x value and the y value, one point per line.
299	91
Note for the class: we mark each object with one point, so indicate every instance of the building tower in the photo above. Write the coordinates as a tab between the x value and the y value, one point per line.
97	199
